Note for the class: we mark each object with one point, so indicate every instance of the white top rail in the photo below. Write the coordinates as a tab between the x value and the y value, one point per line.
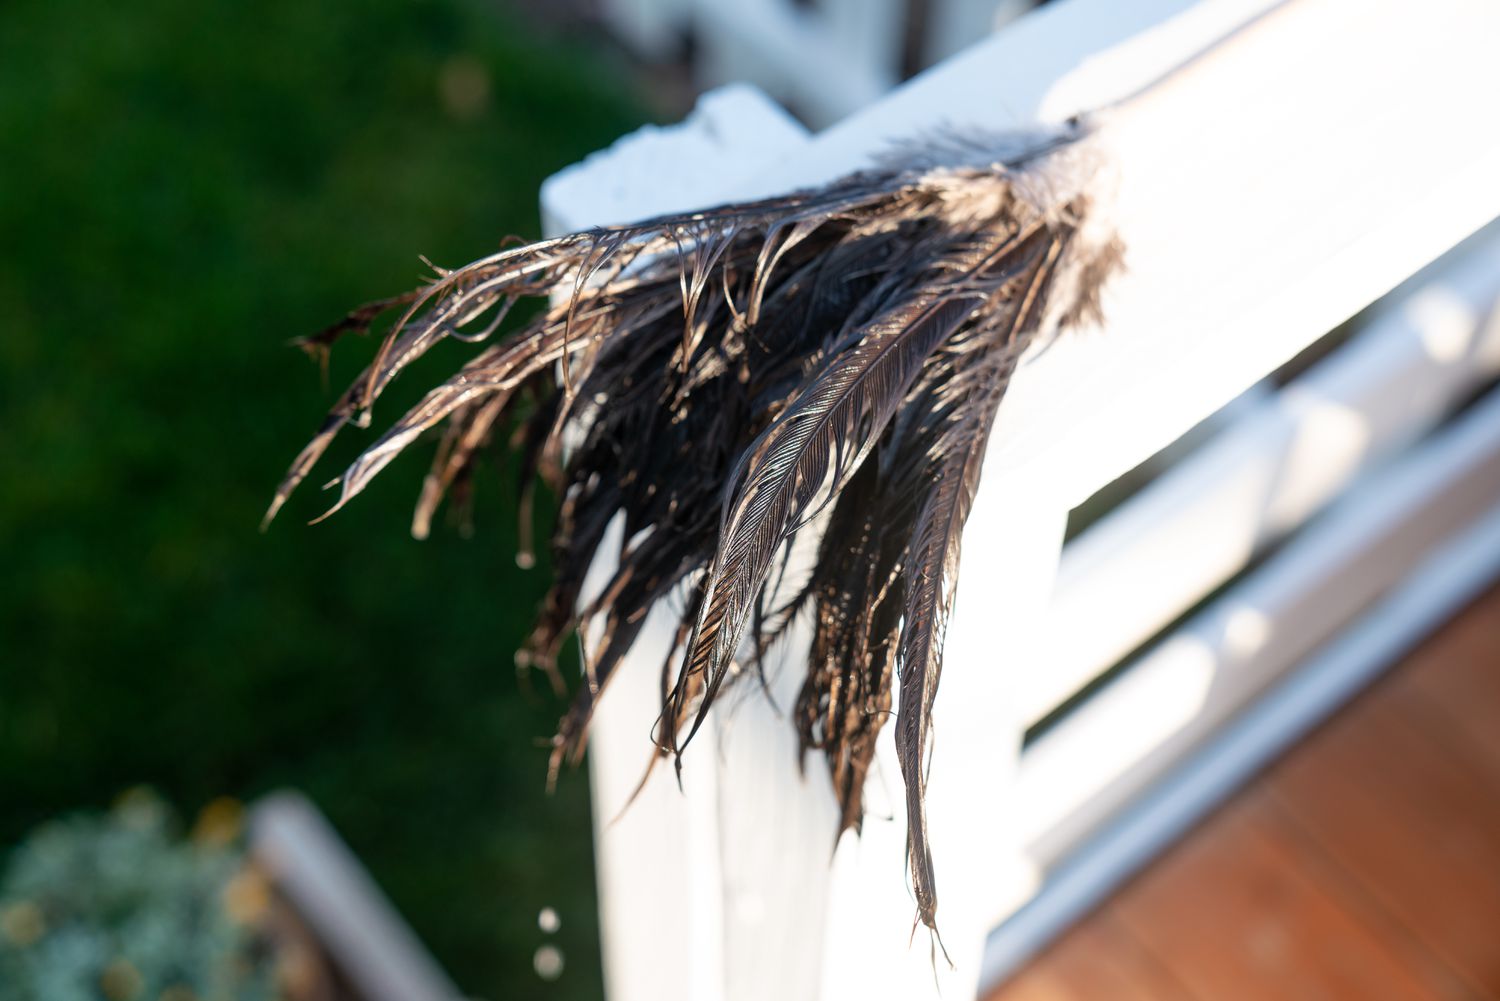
1241	249
1286	455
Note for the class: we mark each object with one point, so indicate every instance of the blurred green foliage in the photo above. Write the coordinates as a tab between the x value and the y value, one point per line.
117	905
183	187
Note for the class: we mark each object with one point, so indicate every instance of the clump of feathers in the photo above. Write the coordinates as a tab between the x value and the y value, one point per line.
831	361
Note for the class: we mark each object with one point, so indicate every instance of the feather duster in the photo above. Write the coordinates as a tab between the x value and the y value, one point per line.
830	361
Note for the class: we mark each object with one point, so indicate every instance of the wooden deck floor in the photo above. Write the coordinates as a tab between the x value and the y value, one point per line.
1364	865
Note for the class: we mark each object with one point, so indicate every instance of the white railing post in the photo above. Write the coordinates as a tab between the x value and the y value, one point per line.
826	59
654	29
660	883
1010	557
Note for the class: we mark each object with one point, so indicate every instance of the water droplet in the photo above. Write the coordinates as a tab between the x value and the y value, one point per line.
548	962
548	921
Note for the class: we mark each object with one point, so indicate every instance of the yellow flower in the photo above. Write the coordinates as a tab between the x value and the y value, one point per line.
121	981
23	923
219	823
247	897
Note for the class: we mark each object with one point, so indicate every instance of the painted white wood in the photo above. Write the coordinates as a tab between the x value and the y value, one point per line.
660	884
653	29
806	53
1175	698
732	134
656	857
954	25
332	892
1303	172
870	31
1012	545
1389	102
824	63
1133	572
1351	158
1062	59
1460	570
776	828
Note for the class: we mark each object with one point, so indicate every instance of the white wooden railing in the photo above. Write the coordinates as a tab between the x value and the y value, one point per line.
1329	154
826	58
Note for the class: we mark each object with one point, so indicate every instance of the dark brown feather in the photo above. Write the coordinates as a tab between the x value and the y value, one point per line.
720	381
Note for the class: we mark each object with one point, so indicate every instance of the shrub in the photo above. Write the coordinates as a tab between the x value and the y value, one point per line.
118	906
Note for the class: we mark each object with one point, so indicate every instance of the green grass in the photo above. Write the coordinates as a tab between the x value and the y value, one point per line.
183	187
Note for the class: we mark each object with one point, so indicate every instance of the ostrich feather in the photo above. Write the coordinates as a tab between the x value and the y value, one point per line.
829	361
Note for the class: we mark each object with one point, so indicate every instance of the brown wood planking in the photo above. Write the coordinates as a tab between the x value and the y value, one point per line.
1097	959
1458	674
1353	894
1366	865
1235	915
1409	805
